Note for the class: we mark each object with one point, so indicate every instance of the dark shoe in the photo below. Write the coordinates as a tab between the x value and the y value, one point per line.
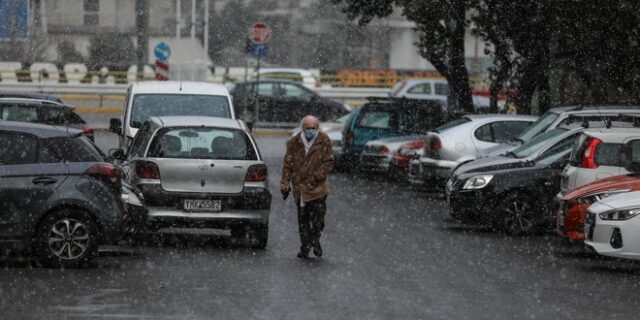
317	249
303	254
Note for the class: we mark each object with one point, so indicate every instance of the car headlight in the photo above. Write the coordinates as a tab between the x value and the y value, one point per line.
599	196
620	215
130	197
477	182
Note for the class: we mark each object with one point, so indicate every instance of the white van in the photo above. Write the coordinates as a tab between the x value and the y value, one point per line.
169	98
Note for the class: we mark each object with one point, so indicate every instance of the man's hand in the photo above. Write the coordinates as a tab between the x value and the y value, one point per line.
285	192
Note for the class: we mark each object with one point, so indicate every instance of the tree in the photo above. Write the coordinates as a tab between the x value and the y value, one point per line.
441	26
113	50
67	53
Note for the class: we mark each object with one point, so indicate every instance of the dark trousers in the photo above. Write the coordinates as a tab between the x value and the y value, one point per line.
311	222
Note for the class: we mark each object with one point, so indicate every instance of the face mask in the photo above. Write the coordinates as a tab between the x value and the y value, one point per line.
310	133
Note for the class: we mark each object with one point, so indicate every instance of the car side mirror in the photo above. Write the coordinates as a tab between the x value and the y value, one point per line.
117	154
136	124
115	126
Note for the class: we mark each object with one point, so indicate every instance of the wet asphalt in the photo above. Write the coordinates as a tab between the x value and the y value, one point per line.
388	254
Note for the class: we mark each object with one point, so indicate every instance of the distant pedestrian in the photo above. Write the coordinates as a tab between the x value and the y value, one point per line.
307	163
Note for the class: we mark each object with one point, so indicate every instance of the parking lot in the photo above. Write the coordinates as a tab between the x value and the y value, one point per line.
388	254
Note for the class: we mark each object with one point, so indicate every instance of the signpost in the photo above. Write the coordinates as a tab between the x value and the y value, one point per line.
162	51
259	35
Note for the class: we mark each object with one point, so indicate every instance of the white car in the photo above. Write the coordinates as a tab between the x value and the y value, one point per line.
431	89
598	154
378	154
169	98
303	76
462	140
613	226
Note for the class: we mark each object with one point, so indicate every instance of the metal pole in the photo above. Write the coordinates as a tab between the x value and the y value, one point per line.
257	90
193	19
178	14
206	30
43	15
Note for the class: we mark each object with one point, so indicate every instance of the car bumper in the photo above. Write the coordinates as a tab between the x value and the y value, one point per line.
570	218
470	204
172	217
436	169
603	231
374	162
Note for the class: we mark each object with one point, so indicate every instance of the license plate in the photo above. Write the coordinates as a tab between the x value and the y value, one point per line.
202	205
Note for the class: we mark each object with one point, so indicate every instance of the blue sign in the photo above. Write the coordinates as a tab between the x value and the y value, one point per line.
162	51
258	50
14	18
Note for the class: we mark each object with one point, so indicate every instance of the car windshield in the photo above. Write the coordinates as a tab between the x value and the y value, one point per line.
531	146
202	143
77	149
452	124
158	105
541	125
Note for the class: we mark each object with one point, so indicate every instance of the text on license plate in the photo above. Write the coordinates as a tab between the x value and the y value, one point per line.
202	205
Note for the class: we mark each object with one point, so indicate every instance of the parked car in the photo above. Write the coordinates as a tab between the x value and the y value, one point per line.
200	172
42	111
30	95
461	141
282	101
169	98
59	198
401	161
564	115
598	154
613	226
513	193
572	206
386	118
377	155
302	76
431	89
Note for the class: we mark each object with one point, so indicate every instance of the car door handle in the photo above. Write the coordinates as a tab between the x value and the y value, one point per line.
44	180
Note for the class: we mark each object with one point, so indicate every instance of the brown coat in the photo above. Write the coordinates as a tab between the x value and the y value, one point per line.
307	173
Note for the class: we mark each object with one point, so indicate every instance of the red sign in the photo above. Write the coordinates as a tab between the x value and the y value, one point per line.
259	33
162	70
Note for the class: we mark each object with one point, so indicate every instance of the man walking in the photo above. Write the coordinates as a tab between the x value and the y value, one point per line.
307	162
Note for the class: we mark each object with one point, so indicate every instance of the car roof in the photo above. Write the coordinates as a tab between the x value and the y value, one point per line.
33	102
191	121
415	81
30	95
37	129
498	116
285	70
252	81
613	135
591	108
179	87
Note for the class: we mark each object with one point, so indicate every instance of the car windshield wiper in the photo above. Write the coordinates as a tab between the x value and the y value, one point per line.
510	154
518	140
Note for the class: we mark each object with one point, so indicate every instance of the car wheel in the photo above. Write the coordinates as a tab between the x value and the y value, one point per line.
259	236
518	215
67	238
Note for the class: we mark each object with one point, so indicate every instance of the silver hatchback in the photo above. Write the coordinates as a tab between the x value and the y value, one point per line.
201	172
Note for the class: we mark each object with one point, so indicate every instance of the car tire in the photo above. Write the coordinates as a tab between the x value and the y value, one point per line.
516	215
67	238
259	236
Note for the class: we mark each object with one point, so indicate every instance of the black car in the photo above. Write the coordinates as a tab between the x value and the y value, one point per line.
42	111
514	192
282	101
59	198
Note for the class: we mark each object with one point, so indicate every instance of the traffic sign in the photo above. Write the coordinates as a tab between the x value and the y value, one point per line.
162	51
259	50
260	33
162	70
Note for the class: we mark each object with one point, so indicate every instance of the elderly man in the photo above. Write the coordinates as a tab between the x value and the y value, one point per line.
307	162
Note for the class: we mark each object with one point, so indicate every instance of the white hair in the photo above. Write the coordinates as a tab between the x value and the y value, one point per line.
309	118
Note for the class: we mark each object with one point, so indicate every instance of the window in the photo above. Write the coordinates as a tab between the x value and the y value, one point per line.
91	12
559	151
140	141
506	131
76	149
423	88
541	125
484	133
610	154
442	89
202	143
375	119
53	115
293	91
158	105
265	89
635	150
23	149
18	112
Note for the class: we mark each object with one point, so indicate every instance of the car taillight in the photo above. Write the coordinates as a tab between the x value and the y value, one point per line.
257	173
147	170
383	149
106	172
435	143
349	138
410	148
588	157
87	131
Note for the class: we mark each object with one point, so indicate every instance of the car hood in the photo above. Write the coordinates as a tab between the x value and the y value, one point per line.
622	182
623	200
495	163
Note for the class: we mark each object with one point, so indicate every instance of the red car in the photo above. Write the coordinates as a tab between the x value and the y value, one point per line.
399	166
571	213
